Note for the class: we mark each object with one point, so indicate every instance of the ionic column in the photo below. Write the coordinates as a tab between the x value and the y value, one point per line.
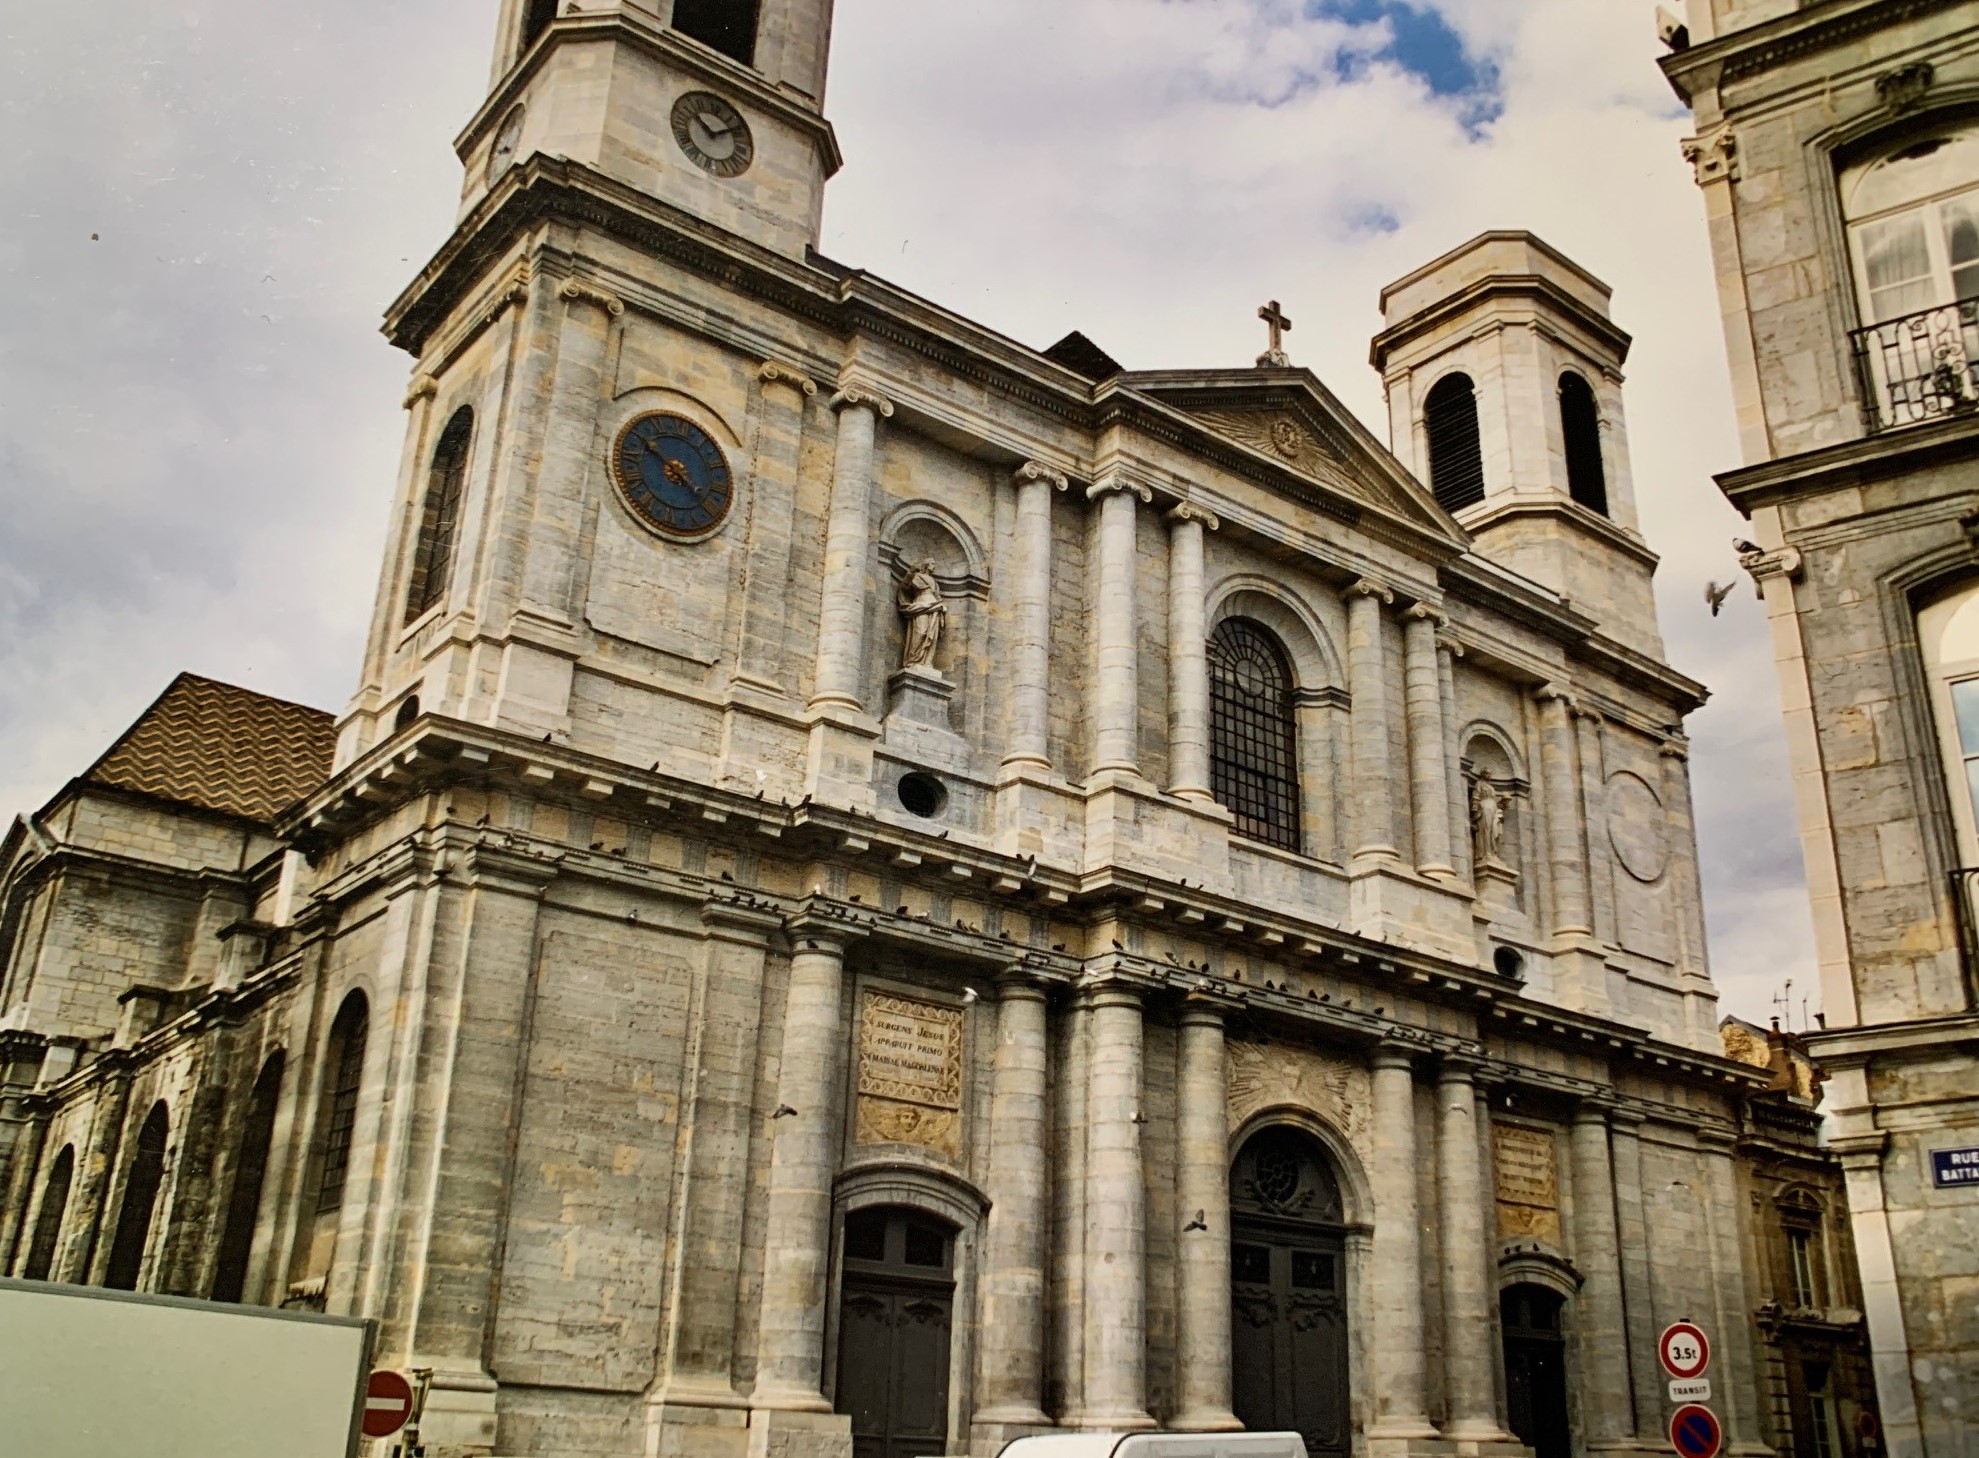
1429	757
1014	1246
1188	654
1448	651
1116	1209
1067	1395
1401	1409
802	1163
1600	1322
848	544
1565	858
1116	696
1593	791
1367	680
1464	1208
1202	1190
1030	665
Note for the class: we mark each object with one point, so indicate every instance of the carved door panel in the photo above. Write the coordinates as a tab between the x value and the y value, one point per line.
1535	1370
893	1370
1289	1335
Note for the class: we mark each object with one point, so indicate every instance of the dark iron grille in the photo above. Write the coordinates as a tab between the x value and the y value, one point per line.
1919	367
439	516
1253	756
343	1109
1456	459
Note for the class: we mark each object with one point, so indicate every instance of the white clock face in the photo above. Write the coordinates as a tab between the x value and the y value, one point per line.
713	134
502	153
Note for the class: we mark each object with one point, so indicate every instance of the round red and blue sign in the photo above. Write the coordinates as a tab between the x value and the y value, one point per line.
1684	1350
1694	1432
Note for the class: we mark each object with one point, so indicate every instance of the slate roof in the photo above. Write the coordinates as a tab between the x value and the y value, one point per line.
220	747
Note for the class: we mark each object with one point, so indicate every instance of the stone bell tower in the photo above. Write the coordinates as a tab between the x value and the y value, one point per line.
713	106
1503	372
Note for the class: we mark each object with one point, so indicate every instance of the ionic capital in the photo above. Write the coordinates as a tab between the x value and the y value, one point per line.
1019	983
1586	711
1368	587
1449	643
858	394
1038	471
1713	157
1675	747
773	372
423	387
1423	612
1107	485
1393	1055
576	289
1783	562
1556	693
1187	511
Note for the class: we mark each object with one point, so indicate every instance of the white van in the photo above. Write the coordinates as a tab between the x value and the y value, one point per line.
1158	1445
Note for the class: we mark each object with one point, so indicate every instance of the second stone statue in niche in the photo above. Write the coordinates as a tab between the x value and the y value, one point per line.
925	615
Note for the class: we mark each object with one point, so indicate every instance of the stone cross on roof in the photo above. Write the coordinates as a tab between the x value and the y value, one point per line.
1276	321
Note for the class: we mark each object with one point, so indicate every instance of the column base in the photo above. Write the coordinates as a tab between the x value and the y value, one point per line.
995	1427
458	1420
783	1434
1205	1420
697	1423
1124	1421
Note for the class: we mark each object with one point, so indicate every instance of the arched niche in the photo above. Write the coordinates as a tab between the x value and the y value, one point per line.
922	533
1496	789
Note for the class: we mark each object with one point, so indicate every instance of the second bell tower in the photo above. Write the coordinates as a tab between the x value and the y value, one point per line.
713	106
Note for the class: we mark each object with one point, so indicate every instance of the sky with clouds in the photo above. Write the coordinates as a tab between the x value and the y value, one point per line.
209	202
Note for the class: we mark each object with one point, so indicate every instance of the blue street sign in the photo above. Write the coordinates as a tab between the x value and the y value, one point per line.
1954	1167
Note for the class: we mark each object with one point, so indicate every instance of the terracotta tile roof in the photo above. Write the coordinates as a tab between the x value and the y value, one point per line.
222	748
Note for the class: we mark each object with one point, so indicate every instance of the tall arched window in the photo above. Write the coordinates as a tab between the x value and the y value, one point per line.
439	515
729	26
1456	458
250	1172
1580	431
1948	635
147	1171
345	1065
1254	737
535	20
48	1223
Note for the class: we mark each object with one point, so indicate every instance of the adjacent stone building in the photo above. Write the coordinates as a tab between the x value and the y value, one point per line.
883	889
1838	151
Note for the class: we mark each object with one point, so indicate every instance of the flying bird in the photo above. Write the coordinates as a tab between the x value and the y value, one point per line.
1197	1222
1716	595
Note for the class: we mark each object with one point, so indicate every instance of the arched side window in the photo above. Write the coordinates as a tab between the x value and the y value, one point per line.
1254	737
250	1173
728	26
338	1115
48	1223
1456	457
439	515
147	1172
1948	635
1580	432
536	19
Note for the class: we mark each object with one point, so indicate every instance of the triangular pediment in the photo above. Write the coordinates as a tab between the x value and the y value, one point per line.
1287	417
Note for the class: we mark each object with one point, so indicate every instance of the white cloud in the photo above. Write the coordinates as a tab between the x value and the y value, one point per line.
199	426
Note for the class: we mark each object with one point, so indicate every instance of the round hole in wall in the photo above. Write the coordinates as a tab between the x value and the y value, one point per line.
1510	963
922	795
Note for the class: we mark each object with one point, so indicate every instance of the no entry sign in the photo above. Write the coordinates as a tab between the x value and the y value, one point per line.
387	1403
1694	1432
1684	1350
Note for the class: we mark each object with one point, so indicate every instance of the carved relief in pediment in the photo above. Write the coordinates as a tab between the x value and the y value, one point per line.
1263	1076
1287	438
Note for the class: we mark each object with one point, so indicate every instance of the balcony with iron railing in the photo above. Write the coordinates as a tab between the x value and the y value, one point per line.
1919	367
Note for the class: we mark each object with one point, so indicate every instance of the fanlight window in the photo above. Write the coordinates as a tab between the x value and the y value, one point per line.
1253	733
1282	1172
1456	458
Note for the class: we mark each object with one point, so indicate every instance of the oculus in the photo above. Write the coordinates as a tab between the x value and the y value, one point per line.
672	474
713	134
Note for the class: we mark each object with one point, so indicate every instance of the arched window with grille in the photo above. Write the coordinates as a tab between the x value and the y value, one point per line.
1580	432
338	1116
1456	456
1254	737
250	1173
439	515
728	26
48	1221
141	1184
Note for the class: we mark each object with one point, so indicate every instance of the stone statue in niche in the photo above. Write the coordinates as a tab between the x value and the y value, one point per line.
925	615
1487	822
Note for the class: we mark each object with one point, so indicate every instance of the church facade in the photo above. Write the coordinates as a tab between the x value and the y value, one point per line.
883	889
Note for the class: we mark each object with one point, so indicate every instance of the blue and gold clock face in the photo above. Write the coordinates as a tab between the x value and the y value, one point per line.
672	474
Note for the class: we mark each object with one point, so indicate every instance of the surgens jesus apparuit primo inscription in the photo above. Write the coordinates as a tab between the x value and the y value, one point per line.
910	1073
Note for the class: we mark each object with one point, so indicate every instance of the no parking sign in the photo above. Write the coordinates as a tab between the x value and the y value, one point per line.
1694	1432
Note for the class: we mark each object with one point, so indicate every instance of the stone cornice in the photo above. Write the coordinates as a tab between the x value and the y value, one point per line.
1533	287
1885	456
1774	43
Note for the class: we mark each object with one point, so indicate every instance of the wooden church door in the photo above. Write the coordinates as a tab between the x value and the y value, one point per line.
1535	1369
897	1298
1288	1293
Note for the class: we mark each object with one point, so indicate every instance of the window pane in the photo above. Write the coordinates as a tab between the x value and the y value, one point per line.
1896	259
1965	699
927	1244
865	1236
1251	1263
1312	1270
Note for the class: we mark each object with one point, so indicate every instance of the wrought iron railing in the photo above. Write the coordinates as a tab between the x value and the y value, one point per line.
1923	366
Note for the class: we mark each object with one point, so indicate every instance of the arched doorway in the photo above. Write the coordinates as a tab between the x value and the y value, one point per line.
1536	1368
1288	1292
897	1299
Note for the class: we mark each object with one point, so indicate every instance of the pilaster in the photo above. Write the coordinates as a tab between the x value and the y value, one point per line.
1188	660
1116	690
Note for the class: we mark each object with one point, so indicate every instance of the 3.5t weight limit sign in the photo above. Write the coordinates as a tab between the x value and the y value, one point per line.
1685	1350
